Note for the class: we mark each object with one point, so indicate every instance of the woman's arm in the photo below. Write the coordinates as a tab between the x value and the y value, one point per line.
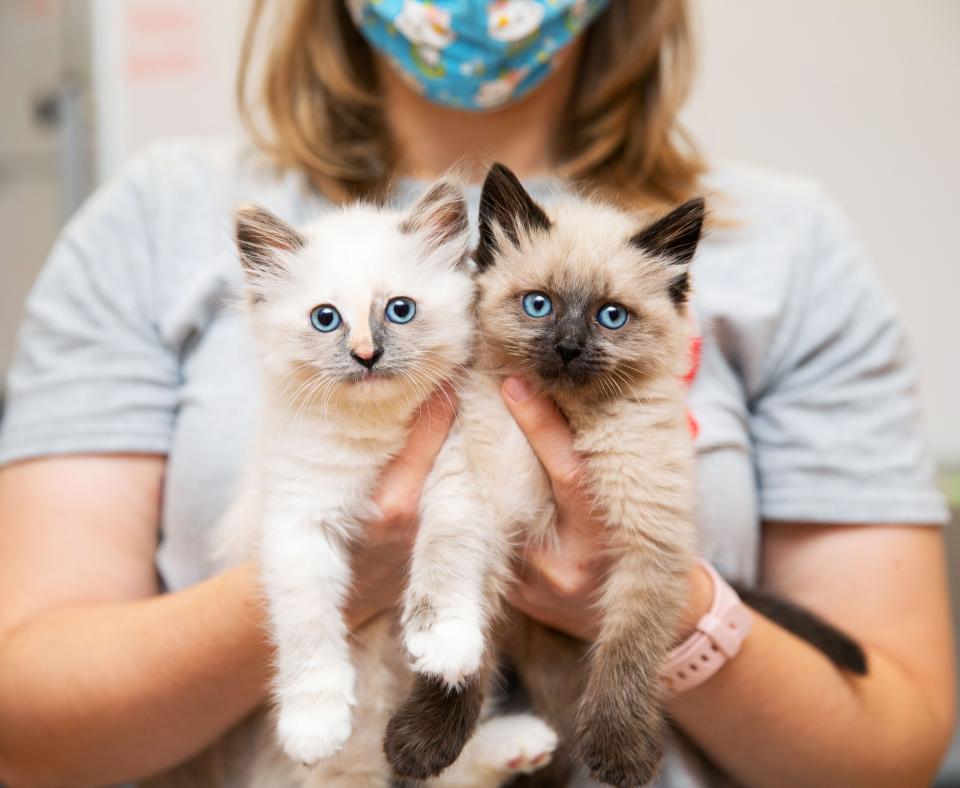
780	714
101	679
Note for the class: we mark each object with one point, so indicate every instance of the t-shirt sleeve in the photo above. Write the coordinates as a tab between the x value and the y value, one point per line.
836	424
91	373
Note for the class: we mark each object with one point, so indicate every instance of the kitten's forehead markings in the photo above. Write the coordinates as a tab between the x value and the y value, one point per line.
360	334
378	329
578	291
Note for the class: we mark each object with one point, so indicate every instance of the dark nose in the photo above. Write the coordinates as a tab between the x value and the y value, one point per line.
367	361
568	353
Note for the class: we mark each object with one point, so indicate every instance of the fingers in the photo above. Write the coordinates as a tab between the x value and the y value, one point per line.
549	436
428	432
560	592
398	494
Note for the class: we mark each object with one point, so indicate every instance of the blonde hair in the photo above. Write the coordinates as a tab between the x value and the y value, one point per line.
320	99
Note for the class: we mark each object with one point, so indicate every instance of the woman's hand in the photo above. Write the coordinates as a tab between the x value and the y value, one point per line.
559	583
380	560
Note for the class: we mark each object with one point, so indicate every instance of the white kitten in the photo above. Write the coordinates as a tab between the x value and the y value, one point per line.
356	319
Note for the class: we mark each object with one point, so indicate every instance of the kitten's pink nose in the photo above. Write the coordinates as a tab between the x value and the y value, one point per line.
366	357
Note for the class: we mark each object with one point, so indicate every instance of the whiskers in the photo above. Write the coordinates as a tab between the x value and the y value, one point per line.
433	371
300	391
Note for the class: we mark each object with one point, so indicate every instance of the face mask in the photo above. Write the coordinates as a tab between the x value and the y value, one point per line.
473	54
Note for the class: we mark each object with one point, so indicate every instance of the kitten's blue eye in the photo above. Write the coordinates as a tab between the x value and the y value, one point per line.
401	310
325	318
612	316
537	305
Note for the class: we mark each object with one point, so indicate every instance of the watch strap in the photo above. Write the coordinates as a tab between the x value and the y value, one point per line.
716	639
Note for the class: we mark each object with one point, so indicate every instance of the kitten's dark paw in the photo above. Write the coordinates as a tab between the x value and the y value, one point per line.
431	728
620	745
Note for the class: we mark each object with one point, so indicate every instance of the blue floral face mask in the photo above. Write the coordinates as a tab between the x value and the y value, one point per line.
473	54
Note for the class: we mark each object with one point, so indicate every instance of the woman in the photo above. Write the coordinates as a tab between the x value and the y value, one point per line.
131	399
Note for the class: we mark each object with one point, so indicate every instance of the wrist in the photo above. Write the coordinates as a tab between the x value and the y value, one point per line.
241	613
717	636
699	599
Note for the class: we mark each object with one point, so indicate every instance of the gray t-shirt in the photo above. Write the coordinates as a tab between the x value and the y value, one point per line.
806	395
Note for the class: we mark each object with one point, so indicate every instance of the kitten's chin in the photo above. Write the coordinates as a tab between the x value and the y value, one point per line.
370	377
567	379
376	388
371	384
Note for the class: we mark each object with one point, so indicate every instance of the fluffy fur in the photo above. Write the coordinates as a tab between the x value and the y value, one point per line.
337	406
621	391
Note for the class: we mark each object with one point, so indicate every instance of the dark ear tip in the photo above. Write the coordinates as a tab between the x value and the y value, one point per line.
256	231
450	192
246	211
246	215
500	172
447	187
696	206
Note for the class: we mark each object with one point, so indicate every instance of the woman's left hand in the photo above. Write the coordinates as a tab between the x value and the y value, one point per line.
558	584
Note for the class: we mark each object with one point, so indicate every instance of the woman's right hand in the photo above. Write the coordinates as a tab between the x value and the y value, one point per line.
381	558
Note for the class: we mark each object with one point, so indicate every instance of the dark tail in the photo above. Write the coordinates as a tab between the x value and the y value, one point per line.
842	650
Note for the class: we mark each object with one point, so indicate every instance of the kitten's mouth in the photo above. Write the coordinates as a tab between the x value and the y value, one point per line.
369	377
566	375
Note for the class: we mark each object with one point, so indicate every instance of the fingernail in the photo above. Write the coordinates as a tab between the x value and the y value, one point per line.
516	388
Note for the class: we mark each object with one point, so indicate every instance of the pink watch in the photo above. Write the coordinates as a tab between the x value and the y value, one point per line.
717	638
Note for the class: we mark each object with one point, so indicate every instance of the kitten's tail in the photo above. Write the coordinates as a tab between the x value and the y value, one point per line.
842	650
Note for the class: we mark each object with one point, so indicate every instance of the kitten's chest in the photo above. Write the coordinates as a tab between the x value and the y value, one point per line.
324	472
508	474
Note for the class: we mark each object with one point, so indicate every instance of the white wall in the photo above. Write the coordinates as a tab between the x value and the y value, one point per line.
30	195
862	94
163	68
865	96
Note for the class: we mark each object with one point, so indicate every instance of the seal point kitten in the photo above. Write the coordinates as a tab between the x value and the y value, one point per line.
588	303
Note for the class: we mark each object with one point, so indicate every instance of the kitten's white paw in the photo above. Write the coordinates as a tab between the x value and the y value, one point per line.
515	743
451	649
313	727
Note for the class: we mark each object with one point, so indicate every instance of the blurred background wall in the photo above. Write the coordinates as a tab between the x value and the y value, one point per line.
863	95
44	84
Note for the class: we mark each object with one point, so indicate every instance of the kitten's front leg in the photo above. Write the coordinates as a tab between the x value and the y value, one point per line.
453	591
306	575
458	561
620	719
639	466
620	725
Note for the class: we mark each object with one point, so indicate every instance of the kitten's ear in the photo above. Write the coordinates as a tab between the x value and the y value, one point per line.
440	217
504	203
262	238
675	238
